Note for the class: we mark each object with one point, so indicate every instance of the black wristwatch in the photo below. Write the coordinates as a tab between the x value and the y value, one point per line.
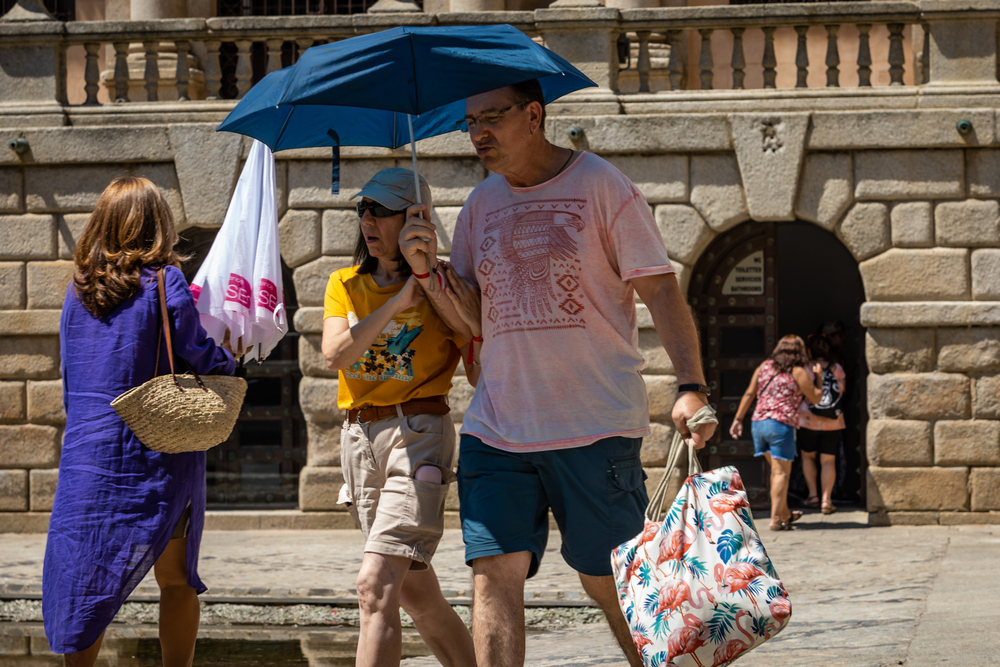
700	388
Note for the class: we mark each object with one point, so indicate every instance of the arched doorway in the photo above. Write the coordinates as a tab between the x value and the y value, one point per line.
755	283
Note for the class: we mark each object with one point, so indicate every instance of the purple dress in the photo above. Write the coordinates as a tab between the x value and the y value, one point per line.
117	502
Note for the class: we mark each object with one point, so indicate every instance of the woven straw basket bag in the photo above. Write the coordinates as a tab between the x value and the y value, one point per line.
172	414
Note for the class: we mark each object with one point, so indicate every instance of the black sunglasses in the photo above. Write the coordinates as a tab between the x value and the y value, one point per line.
377	209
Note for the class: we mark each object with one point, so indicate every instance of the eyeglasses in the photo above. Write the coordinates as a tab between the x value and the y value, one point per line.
377	209
489	119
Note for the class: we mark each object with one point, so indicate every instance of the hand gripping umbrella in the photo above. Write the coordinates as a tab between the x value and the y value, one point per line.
394	87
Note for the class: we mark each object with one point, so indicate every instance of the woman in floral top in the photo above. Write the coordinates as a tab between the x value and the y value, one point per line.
779	385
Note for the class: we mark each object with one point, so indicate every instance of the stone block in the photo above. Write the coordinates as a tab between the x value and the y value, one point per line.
70	230
308	320
893	442
918	396
769	150
13	490
986	274
451	180
29	322
318	400
684	231
29	357
660	178
12	402
826	188
930	314
281	186
865	230
983	172
985	483
972	349
912	225
27	237
717	191
42	489
651	348
311	359
300	236
164	177
884	518
890	350
27	522
881	129
67	188
311	279
973	222
460	397
12	285
339	230
29	446
45	402
917	275
969	443
661	391
11	189
309	181
324	444
969	518
445	218
917	489
205	163
986	397
319	488
656	446
924	174
47	283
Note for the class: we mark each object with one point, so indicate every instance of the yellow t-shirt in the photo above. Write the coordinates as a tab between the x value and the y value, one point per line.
415	356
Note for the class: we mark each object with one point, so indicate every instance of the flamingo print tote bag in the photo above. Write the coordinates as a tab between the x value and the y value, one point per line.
697	588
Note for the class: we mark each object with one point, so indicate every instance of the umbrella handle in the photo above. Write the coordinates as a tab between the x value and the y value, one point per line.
416	186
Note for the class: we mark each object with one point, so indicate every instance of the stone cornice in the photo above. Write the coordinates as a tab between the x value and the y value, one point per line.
931	314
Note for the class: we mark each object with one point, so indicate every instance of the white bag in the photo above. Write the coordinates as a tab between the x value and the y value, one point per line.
697	588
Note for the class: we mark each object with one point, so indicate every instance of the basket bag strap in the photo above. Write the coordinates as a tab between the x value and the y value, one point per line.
705	415
166	333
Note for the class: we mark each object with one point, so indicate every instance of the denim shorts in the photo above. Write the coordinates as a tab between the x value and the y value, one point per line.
596	493
774	437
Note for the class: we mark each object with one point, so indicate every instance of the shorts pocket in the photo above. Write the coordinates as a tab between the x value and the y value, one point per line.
626	474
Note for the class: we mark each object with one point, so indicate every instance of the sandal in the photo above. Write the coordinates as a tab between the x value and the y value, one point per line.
828	508
795	516
812	502
780	526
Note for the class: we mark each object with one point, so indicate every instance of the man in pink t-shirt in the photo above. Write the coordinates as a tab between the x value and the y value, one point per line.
559	243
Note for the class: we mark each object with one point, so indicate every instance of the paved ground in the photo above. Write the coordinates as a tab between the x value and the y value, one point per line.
914	596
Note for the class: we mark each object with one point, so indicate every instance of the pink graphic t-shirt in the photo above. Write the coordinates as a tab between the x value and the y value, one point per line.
560	359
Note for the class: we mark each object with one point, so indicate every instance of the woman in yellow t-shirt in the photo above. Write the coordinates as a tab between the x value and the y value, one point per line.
396	357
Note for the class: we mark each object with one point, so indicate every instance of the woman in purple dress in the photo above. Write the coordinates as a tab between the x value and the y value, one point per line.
121	508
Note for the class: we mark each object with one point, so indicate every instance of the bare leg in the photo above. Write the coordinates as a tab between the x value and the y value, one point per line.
179	608
85	658
604	592
829	467
498	610
780	472
441	628
379	584
810	473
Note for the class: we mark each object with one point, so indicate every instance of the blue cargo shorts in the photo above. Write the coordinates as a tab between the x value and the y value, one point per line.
596	493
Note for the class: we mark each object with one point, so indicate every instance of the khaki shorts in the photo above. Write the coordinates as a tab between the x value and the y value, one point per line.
398	514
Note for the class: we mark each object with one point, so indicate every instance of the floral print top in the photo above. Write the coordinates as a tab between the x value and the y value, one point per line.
778	398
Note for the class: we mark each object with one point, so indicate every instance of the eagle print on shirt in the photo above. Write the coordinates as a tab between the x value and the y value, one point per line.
529	271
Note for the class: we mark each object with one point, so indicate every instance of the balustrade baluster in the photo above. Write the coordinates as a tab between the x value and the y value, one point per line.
738	62
832	57
152	73
864	56
213	71
675	65
925	56
183	73
244	71
801	58
705	63
769	61
121	71
896	57
644	64
303	43
274	54
91	73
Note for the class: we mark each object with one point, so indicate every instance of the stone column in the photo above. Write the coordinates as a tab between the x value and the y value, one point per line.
477	6
963	42
145	10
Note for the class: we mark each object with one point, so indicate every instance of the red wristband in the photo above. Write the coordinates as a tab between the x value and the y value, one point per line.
475	339
422	276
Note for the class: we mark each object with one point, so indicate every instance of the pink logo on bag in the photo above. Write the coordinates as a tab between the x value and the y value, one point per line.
268	295
239	290
196	292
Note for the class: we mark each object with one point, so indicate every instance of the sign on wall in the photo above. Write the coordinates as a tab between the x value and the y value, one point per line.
747	277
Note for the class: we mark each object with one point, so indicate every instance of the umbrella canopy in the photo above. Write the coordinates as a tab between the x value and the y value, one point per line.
364	87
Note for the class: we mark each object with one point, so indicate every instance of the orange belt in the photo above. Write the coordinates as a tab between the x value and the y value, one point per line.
432	405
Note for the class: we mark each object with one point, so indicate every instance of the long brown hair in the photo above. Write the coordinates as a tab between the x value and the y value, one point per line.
131	228
789	353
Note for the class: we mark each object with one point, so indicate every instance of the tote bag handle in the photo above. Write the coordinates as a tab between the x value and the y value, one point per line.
706	415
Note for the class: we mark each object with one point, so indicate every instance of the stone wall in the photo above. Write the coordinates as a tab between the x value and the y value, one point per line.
918	210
